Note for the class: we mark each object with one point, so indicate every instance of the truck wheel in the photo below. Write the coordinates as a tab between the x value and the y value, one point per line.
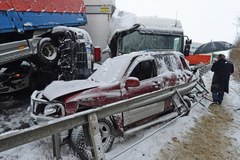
107	131
47	52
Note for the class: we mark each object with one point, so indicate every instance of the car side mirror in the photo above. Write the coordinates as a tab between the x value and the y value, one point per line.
132	82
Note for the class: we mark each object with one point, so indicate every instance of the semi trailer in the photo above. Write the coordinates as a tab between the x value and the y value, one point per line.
46	35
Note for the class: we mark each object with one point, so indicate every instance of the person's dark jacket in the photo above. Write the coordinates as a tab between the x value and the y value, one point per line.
222	70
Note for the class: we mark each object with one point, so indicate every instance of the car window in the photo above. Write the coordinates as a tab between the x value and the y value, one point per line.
184	63
175	62
167	61
111	70
144	70
160	63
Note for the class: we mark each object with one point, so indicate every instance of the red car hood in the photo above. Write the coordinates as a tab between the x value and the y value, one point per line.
60	88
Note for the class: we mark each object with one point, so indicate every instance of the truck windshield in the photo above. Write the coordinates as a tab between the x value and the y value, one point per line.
137	41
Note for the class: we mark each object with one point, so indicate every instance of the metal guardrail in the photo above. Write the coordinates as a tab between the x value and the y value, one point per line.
54	127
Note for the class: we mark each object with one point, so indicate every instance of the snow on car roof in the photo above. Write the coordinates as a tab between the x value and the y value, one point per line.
113	69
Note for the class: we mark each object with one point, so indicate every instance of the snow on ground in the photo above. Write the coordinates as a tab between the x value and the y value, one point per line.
152	147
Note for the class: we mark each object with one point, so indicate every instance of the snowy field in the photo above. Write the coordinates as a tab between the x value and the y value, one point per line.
152	144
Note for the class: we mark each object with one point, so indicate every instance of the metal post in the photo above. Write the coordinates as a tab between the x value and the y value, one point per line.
179	102
95	137
56	146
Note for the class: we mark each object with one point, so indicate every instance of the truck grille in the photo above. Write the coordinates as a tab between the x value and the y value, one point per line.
80	62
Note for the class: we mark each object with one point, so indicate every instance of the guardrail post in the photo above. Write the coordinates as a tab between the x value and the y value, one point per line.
56	146
95	137
179	102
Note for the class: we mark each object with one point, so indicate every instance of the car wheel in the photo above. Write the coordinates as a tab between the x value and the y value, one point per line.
107	132
47	52
77	142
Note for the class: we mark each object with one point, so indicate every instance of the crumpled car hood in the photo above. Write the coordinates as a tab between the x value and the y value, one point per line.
60	88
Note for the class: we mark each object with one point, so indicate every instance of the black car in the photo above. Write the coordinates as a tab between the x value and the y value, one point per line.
23	76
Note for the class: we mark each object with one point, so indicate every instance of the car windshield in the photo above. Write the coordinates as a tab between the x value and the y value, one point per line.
112	70
137	41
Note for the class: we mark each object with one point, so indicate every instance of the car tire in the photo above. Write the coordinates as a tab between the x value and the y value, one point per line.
47	52
107	131
77	142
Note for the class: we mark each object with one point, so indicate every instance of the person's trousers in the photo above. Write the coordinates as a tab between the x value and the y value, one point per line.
217	97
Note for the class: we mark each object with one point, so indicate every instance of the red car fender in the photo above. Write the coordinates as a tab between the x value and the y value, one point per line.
94	97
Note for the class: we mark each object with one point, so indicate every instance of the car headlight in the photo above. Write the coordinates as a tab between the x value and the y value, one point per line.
55	110
50	109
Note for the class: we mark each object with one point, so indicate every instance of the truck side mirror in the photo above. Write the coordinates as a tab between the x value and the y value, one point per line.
188	41
187	46
97	54
187	49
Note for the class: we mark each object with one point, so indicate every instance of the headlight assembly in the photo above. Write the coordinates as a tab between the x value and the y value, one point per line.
50	109
54	109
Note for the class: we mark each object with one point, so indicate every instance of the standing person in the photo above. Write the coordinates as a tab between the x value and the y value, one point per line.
222	70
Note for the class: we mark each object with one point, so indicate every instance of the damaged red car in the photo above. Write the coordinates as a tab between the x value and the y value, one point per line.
117	79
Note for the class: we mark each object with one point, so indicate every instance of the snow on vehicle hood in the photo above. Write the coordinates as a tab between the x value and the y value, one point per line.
59	88
120	21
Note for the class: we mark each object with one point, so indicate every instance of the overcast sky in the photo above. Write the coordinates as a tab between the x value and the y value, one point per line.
202	20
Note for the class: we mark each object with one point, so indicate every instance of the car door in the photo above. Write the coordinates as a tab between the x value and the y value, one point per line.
145	71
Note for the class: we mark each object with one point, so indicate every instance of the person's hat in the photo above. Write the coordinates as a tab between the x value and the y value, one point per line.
221	56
